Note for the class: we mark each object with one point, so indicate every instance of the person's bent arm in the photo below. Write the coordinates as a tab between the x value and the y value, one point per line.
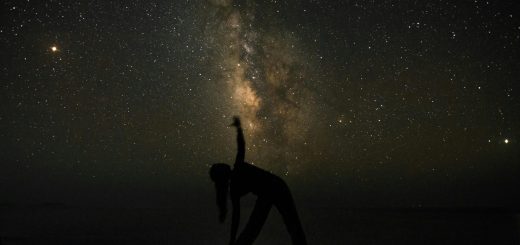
235	219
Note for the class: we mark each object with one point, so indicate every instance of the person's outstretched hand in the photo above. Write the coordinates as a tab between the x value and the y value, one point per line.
236	122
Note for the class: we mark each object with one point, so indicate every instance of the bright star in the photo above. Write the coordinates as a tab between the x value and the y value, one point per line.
54	49
506	141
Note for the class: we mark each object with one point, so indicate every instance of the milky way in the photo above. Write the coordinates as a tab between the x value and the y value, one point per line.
264	75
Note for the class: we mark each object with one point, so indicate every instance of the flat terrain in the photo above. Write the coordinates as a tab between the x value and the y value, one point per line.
197	224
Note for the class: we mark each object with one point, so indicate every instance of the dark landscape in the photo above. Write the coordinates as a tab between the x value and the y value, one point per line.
58	224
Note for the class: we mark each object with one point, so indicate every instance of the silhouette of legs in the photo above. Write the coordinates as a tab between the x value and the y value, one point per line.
287	209
255	223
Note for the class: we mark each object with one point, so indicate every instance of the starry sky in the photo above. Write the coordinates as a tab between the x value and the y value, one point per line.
414	103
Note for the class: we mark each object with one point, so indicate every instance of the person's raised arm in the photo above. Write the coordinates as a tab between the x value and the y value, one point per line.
235	218
241	143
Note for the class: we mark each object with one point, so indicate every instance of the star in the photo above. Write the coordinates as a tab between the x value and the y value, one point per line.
54	49
506	141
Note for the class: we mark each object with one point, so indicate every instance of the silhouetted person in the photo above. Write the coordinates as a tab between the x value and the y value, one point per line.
270	189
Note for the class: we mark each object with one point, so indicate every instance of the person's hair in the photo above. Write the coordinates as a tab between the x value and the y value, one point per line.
220	174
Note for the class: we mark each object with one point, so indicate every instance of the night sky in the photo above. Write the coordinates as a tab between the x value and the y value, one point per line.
397	103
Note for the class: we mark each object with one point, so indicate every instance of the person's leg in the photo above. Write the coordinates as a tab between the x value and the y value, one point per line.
285	206
255	223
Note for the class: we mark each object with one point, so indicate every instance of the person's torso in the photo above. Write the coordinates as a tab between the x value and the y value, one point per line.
247	178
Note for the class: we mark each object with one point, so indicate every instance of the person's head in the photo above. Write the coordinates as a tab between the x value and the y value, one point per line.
220	174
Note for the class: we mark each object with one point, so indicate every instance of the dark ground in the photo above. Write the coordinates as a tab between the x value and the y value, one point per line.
197	224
